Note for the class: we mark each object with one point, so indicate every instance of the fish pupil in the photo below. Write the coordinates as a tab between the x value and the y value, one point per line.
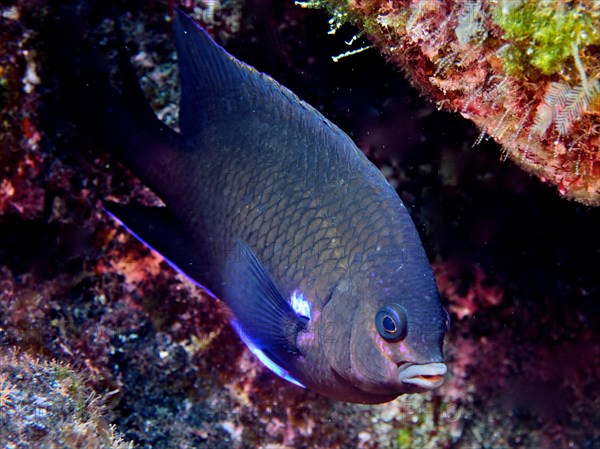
389	325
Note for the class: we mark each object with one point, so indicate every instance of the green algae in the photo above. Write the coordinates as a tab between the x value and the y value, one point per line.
404	439
342	12
338	10
544	34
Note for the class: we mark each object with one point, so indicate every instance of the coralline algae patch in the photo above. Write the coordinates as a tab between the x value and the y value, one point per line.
526	72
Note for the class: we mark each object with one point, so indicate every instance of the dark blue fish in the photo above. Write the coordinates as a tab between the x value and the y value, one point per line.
273	209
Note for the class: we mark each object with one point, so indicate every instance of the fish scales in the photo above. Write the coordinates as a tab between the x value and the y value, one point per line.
252	196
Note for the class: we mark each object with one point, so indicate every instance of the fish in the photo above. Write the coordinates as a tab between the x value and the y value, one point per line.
273	209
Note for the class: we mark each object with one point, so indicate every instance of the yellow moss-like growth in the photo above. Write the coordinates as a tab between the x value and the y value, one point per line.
527	72
544	35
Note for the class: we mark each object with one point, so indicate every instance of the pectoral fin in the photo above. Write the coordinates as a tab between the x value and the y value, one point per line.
264	319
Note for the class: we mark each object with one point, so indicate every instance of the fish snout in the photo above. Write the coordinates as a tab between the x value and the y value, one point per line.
424	376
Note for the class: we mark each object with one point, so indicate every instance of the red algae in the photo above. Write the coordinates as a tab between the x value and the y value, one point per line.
468	289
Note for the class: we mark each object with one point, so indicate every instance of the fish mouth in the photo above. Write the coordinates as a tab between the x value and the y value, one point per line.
425	376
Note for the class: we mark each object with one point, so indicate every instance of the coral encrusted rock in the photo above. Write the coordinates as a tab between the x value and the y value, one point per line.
526	72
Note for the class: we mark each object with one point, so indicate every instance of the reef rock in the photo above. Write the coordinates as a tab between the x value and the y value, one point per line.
526	72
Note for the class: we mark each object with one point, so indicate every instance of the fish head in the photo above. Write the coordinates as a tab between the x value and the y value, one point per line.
394	340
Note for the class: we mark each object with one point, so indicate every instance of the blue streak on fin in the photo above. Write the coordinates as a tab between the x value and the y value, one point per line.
261	311
158	230
264	358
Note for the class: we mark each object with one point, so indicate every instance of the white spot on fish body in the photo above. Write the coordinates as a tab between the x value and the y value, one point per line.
300	305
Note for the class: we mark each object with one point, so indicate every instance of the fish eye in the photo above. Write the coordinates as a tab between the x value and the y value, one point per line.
391	322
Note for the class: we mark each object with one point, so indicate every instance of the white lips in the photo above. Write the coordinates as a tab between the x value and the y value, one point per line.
428	376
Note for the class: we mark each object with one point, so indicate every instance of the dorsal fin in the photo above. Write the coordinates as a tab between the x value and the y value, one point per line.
209	75
217	86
